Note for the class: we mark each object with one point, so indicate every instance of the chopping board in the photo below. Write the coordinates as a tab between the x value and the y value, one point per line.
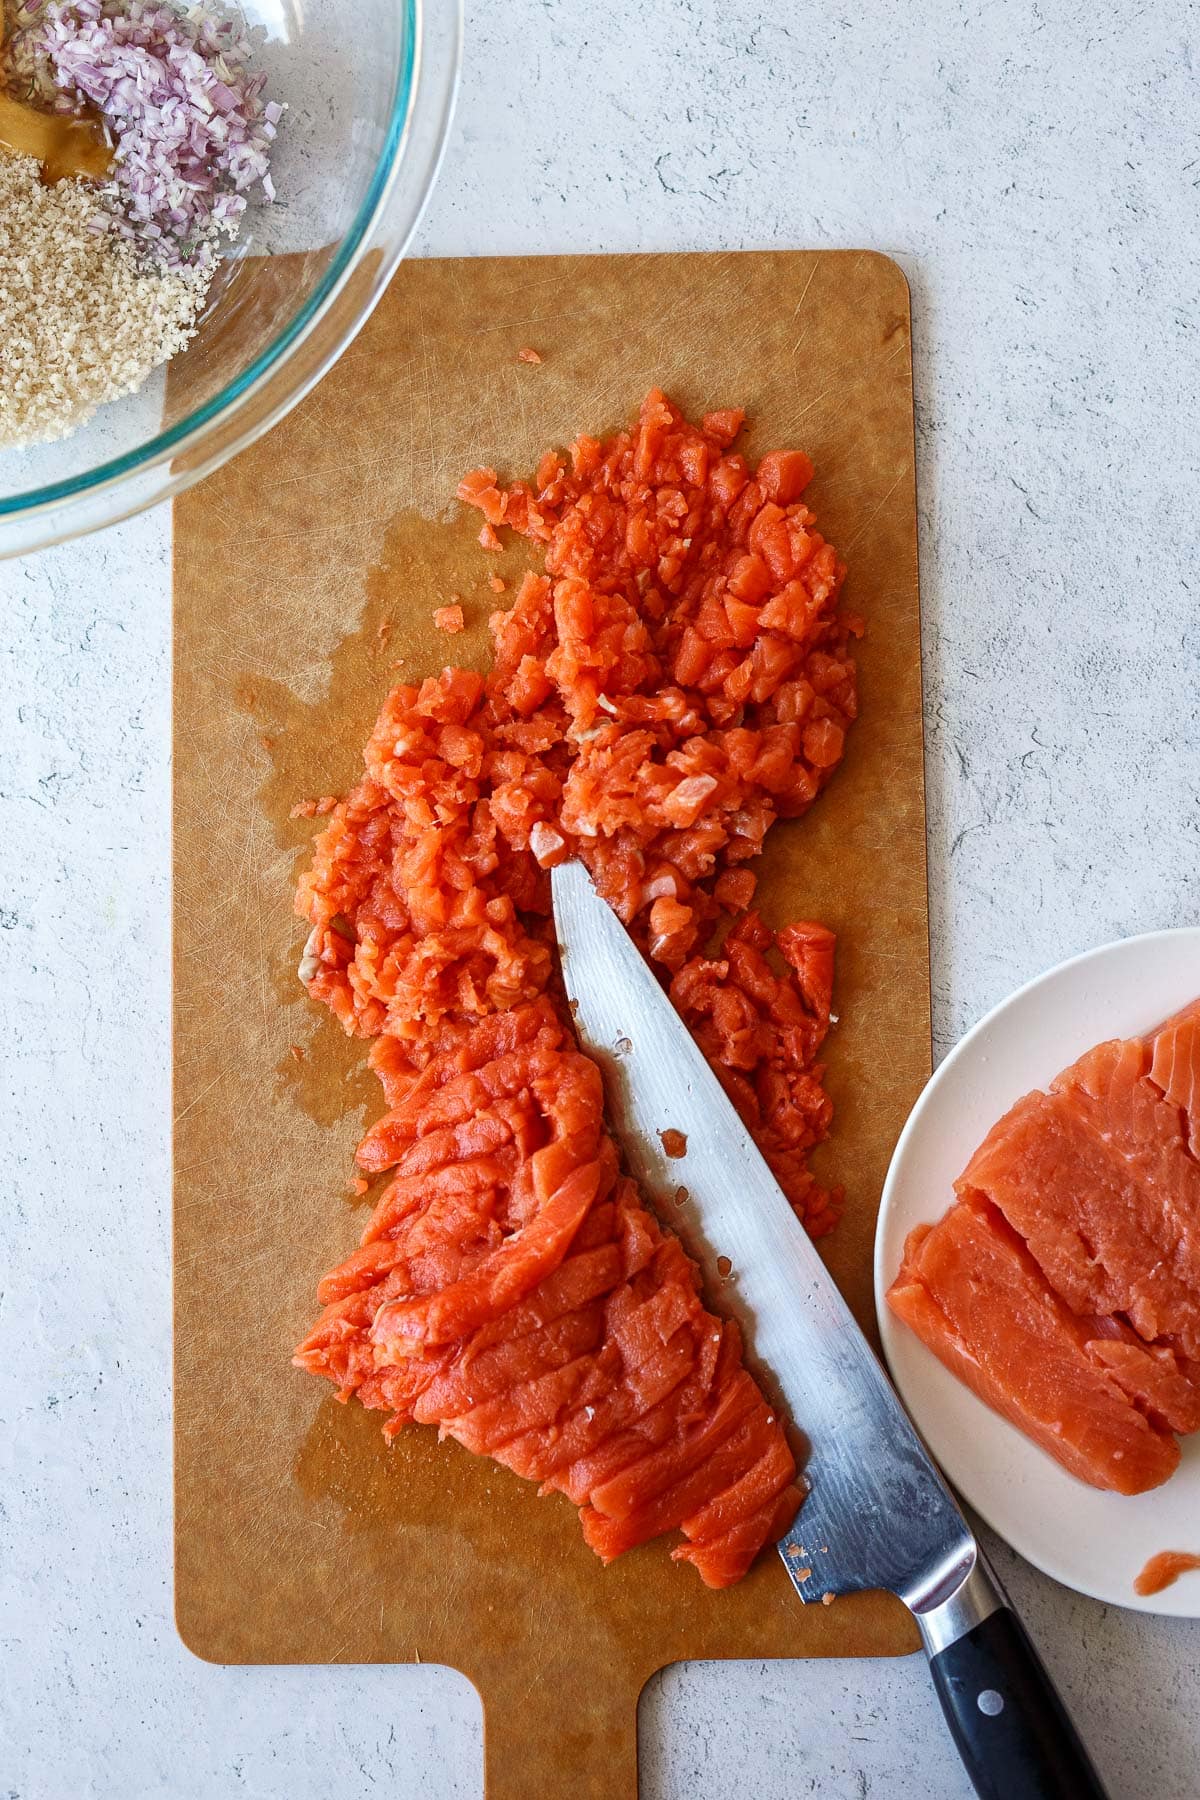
306	575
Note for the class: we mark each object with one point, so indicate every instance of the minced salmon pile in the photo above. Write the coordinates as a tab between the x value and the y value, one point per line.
1064	1285
674	678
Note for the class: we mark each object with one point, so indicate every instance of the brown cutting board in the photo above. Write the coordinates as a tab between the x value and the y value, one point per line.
304	572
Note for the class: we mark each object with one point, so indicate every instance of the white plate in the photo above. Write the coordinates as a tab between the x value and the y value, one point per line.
1092	1541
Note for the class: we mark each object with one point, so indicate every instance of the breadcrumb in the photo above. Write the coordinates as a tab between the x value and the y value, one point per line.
528	356
80	323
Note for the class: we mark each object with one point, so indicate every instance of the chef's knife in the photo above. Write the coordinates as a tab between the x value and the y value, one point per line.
877	1514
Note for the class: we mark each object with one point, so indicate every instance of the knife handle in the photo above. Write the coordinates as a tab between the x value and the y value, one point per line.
1012	1730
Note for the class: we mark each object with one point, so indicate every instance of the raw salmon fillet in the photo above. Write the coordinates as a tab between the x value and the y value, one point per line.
971	1291
1064	1287
676	677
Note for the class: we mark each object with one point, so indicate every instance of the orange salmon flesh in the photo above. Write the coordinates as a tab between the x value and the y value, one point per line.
674	677
1064	1286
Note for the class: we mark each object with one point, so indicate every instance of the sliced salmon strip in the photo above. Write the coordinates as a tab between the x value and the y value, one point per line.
1161	1383
470	1381
723	1561
1175	1068
1113	1091
499	1281
763	1482
609	1537
641	1481
531	1406
611	1424
661	1397
407	1198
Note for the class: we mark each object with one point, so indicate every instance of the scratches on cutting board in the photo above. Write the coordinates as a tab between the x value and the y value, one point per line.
875	511
812	276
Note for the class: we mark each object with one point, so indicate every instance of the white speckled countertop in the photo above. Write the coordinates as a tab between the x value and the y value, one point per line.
1035	169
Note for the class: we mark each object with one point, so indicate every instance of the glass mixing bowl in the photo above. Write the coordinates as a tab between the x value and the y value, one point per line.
369	87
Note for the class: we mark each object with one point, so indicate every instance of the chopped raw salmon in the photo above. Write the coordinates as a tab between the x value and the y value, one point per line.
673	678
1064	1287
678	677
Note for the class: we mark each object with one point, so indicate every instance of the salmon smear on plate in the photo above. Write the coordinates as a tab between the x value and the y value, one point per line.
1064	1285
675	677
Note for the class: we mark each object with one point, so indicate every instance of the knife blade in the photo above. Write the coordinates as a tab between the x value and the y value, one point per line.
877	1513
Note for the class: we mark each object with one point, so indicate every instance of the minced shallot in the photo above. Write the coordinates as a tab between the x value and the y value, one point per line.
192	131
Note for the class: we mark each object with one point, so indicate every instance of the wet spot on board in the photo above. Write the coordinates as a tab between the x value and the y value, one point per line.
303	750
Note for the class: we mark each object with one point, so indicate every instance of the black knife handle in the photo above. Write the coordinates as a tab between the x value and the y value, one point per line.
1011	1728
